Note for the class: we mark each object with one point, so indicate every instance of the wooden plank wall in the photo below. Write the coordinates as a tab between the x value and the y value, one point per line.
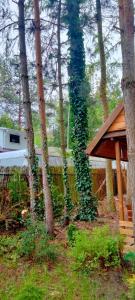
119	123
98	177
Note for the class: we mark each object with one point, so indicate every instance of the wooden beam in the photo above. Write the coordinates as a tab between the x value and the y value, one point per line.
119	181
120	133
107	150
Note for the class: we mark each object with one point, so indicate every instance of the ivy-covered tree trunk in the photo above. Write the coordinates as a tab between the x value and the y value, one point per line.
32	163
104	101
42	112
78	92
67	195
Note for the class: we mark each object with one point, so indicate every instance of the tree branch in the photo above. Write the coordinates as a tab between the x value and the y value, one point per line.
8	25
15	2
118	29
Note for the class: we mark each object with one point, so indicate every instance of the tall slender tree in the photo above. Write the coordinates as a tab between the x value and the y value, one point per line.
126	20
67	196
42	112
104	100
27	111
78	92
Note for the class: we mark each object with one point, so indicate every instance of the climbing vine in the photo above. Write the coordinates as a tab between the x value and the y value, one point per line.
67	197
78	92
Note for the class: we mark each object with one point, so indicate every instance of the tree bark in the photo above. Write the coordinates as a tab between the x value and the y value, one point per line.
126	19
42	112
104	101
20	107
67	196
27	110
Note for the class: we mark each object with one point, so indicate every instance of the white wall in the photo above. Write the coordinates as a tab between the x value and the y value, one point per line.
1	138
5	139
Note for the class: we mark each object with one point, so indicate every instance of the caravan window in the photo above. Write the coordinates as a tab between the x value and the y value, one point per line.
14	138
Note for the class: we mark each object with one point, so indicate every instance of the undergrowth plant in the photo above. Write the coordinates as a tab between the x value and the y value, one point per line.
18	188
96	250
9	247
129	258
35	243
131	286
71	232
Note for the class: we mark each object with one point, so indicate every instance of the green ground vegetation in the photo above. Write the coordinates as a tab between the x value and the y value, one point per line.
25	275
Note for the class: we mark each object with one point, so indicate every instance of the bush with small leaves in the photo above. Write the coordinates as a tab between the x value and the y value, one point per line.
96	250
71	232
129	258
9	247
35	243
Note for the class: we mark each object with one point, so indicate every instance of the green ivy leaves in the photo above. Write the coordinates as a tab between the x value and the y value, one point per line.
78	91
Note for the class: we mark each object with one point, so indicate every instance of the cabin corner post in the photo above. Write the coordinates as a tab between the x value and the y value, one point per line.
119	180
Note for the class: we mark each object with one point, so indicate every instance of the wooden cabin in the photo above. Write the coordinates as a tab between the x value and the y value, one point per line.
111	142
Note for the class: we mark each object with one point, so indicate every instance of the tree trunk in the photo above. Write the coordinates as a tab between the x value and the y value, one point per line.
27	110
104	101
41	100
78	94
20	107
20	116
126	19
67	196
68	127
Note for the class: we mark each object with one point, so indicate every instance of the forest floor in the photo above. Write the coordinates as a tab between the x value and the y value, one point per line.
58	280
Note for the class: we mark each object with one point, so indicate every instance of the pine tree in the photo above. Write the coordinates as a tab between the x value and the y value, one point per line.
42	111
32	163
67	195
104	101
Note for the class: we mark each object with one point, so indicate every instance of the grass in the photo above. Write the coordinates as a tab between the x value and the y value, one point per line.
25	281
57	284
22	279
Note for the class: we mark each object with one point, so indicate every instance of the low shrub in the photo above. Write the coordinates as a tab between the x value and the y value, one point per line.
71	232
35	243
129	258
8	245
96	250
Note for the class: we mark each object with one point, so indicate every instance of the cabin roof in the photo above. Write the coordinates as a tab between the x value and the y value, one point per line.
103	145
